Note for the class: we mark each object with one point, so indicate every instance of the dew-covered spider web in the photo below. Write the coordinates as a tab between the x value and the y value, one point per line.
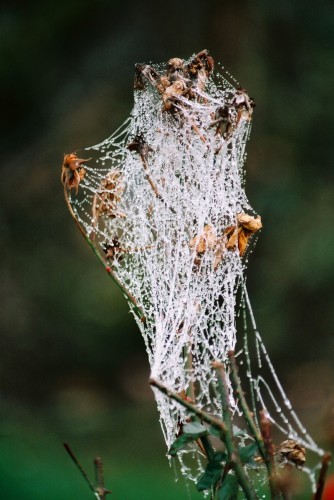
163	202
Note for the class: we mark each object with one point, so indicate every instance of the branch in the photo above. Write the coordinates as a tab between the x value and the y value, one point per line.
251	423
326	460
230	443
100	489
100	492
269	460
217	424
79	466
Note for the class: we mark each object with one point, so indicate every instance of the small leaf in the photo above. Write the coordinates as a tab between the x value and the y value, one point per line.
229	488
191	432
240	432
246	453
210	477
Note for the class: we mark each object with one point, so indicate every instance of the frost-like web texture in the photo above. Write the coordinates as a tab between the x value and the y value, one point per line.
166	209
179	185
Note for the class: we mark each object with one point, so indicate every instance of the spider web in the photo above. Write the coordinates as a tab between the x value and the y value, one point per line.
162	201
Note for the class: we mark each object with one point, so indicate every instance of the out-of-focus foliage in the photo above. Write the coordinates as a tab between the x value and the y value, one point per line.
73	366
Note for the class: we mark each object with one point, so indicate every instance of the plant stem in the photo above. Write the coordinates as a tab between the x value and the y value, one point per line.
217	424
100	489
251	424
326	460
231	445
79	466
269	461
209	450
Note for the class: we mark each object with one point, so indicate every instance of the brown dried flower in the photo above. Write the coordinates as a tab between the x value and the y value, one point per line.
290	451
206	241
243	104
72	171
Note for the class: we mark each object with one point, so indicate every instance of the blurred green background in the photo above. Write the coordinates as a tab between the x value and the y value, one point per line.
73	365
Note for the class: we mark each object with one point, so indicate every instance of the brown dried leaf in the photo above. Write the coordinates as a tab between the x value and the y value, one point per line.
238	236
243	237
219	254
206	241
249	222
231	237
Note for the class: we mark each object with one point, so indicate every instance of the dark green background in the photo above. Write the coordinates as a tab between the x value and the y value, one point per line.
73	365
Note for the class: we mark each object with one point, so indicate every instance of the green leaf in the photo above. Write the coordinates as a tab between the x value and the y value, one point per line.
229	488
210	477
246	453
240	432
191	432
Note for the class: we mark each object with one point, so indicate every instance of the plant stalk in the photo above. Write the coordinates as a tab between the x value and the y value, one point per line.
217	424
252	425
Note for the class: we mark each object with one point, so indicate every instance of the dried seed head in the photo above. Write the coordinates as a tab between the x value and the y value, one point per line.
175	63
72	171
290	451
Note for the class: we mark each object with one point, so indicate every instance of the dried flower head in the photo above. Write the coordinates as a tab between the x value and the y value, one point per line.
72	171
290	452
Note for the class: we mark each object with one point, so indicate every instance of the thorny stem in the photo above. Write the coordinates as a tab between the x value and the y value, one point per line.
79	466
128	295
189	364
100	489
217	424
326	460
265	425
251	423
231	446
100	492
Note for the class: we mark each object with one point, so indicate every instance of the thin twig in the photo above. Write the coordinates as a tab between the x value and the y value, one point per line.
215	422
79	466
326	460
152	184
231	446
100	489
251	423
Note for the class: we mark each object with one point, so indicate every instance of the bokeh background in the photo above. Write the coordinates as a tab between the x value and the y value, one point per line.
73	365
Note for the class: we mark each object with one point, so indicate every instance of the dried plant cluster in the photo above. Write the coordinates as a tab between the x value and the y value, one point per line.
162	202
